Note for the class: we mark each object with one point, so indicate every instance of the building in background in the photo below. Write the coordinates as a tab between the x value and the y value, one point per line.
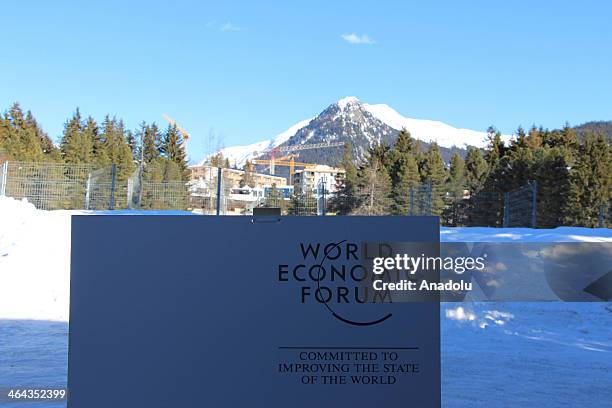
233	177
314	179
235	198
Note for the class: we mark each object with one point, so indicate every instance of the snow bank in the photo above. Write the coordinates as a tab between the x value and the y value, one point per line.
560	234
35	259
34	262
35	255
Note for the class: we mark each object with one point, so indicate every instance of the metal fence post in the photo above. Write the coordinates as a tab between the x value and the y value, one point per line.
411	201
3	178
429	198
323	202
506	219
111	204
88	191
534	203
219	175
130	193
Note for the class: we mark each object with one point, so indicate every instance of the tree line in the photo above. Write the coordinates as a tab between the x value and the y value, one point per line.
572	172
573	176
84	141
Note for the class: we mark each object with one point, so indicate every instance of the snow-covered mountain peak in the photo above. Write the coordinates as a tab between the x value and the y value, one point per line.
361	124
348	101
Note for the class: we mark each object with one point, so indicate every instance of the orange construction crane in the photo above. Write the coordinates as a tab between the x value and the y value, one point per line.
272	152
172	122
291	163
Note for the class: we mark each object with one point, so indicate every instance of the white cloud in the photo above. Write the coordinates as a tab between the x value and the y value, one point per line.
357	39
225	27
230	27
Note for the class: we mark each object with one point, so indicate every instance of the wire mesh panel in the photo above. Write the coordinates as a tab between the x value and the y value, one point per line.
482	209
605	216
218	191
101	189
211	194
169	195
420	200
52	186
520	207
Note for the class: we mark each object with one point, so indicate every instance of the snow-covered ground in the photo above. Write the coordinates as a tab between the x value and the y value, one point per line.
548	354
35	254
35	260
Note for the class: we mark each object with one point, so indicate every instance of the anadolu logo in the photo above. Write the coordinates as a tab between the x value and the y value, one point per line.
334	275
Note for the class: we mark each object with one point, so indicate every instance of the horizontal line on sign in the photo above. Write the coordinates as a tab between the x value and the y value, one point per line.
344	348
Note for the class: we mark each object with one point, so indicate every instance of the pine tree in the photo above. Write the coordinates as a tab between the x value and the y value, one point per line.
163	170
76	145
476	170
21	142
590	182
419	156
517	165
4	137
406	178
551	169
173	149
374	185
49	150
496	148
133	144
379	152
456	180
405	143
601	176
345	198
218	160
486	206
404	171
247	176
565	137
434	172
520	140
534	138
116	148
92	132
456	186
151	142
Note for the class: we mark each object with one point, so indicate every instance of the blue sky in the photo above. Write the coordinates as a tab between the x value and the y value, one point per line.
250	69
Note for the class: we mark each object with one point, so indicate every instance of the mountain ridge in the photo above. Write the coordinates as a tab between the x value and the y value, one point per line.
361	124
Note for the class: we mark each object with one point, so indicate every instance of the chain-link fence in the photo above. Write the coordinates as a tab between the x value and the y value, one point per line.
219	191
101	189
493	209
146	194
520	206
211	194
51	186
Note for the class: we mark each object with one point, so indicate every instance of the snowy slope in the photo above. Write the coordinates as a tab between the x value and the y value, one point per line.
35	254
238	155
427	130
